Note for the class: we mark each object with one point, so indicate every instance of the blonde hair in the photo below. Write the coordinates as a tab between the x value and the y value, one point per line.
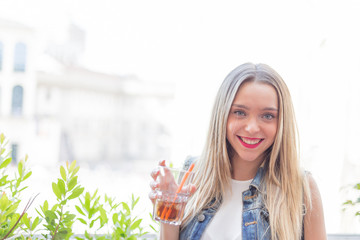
286	187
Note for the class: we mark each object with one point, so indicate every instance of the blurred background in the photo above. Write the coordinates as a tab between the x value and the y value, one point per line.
119	85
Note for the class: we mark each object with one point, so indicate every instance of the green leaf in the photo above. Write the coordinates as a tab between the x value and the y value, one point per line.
115	217
45	206
50	214
20	168
3	180
54	207
61	234
69	217
56	190
96	202
61	186
72	166
92	212
72	183
126	207
23	188
153	228
87	201
5	163
82	221
27	176
96	191
14	219
26	220
136	224
2	138
348	202
103	216
18	182
13	207
92	222
75	171
63	173
133	203
35	223
87	235
76	193
80	211
4	202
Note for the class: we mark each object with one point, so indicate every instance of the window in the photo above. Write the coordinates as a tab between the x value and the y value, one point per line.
17	100
14	153
20	57
1	55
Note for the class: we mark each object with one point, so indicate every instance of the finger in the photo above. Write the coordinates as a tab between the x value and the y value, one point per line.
162	163
192	189
154	173
189	189
154	185
152	196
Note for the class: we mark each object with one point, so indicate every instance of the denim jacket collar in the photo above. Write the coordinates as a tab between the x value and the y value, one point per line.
256	182
255	215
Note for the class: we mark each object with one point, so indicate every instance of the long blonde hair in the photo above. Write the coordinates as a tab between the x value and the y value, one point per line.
286	187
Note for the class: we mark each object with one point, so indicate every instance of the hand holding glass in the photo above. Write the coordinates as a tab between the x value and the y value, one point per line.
172	194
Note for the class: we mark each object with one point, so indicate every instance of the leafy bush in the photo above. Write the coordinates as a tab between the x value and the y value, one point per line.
95	216
59	221
72	205
354	203
10	188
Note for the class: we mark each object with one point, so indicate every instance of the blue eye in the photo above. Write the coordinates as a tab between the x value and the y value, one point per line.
239	113
269	116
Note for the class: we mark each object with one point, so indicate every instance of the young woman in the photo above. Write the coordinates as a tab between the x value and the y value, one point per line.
249	184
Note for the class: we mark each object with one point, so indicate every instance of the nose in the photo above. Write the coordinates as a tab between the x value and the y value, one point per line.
252	126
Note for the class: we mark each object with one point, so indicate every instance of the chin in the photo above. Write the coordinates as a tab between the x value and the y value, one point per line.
249	158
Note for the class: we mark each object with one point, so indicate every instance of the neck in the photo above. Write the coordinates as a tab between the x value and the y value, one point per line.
244	170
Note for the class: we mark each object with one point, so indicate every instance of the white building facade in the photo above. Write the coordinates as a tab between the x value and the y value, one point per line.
54	110
17	84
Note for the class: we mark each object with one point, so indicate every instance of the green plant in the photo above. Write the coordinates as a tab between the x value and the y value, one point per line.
116	220
354	203
157	224
93	215
11	188
59	221
122	224
126	226
30	226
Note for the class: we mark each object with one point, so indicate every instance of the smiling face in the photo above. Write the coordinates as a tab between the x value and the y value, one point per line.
252	122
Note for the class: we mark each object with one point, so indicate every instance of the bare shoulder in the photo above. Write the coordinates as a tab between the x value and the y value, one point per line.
314	190
314	225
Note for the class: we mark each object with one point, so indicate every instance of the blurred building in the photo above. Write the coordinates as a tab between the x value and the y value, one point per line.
17	85
55	110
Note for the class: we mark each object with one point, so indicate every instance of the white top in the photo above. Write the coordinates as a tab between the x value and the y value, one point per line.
227	222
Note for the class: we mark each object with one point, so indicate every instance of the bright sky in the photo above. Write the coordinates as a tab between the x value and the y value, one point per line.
314	45
159	38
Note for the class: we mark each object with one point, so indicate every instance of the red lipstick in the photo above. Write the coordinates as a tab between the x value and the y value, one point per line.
250	145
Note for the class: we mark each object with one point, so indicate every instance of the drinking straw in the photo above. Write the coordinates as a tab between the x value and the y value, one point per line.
183	180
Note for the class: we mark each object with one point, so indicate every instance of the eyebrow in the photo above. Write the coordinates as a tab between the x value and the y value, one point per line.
264	109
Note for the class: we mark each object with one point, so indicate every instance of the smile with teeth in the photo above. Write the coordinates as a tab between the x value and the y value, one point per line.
250	142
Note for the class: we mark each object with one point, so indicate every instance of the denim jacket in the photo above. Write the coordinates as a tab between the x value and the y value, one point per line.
255	223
